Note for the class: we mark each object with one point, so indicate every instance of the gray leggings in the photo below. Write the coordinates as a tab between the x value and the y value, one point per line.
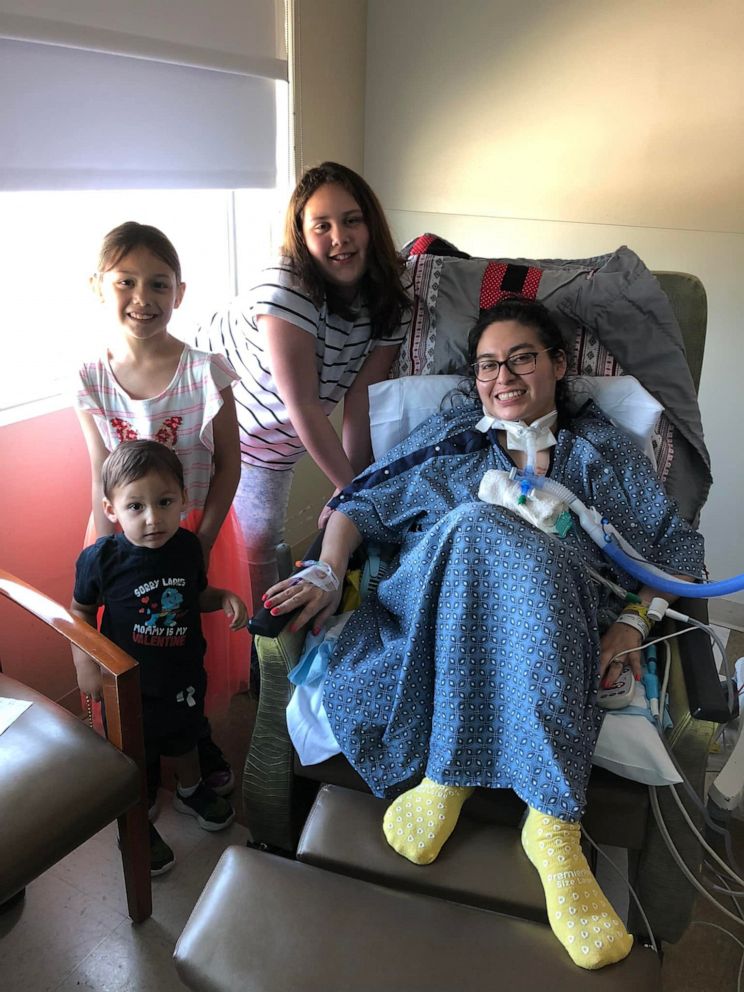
261	503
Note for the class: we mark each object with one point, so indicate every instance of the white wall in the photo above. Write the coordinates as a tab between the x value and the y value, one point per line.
329	66
565	130
328	79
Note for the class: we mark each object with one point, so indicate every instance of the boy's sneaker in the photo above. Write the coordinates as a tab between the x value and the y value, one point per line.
212	812
216	772
162	857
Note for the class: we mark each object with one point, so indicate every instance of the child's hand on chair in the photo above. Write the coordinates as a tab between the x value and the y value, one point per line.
235	610
89	678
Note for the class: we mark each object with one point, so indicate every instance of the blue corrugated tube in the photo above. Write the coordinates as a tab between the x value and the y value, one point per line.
626	557
665	583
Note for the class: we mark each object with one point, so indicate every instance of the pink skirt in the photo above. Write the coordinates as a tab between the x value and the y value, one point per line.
228	657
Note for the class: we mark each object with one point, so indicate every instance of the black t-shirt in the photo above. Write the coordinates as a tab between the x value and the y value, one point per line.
151	605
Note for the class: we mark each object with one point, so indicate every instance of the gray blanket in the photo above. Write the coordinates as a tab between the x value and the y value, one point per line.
612	298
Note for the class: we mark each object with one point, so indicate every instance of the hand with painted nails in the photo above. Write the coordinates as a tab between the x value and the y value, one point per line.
314	603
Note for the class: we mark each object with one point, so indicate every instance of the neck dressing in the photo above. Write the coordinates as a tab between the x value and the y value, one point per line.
520	436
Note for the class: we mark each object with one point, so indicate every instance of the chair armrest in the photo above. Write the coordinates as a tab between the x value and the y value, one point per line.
123	702
263	624
705	693
268	777
665	894
121	683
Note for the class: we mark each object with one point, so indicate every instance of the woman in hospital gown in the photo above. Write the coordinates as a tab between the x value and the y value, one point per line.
477	660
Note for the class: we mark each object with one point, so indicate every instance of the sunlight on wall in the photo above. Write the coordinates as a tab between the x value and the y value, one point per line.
621	113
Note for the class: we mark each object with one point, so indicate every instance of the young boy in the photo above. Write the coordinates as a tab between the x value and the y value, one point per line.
151	582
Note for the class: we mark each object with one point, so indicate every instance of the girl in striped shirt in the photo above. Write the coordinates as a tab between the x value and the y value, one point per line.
148	384
324	322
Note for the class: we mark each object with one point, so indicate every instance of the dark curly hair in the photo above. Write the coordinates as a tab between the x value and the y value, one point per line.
381	286
529	313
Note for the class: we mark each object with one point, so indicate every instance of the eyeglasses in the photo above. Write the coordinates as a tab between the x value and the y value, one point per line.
487	369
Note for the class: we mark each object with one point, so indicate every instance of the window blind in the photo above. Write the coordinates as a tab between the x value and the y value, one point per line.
184	98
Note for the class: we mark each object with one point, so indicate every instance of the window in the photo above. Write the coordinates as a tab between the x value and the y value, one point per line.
180	121
48	251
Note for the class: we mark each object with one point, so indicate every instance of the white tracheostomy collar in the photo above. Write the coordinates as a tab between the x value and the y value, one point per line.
520	436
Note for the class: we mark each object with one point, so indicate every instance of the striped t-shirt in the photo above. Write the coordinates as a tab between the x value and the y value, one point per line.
267	438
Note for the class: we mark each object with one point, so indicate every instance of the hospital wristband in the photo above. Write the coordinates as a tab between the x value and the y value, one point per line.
640	608
317	573
637	622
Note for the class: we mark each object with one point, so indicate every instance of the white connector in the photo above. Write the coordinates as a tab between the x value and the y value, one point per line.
657	609
727	789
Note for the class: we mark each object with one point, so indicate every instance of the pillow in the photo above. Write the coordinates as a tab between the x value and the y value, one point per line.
630	407
629	745
396	406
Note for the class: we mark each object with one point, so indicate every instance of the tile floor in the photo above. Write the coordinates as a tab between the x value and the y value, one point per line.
72	932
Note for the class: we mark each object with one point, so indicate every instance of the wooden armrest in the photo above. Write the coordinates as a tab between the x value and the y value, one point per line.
77	631
121	684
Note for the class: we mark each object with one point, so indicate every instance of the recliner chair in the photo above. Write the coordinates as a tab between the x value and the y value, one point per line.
618	812
482	865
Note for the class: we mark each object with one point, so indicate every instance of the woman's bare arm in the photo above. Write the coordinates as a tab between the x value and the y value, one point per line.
292	358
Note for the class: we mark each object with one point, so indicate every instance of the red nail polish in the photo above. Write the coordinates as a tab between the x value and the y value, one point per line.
263	595
274	611
267	604
638	677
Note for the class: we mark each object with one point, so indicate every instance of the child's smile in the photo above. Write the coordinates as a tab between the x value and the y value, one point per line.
143	291
337	237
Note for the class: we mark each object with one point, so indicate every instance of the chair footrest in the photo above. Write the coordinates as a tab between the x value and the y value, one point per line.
265	923
482	864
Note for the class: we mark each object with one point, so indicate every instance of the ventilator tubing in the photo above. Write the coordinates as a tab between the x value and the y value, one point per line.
629	560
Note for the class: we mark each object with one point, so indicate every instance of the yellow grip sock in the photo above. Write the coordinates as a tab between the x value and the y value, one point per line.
580	916
419	821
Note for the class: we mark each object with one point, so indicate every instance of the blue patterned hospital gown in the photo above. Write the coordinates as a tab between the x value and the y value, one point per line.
476	661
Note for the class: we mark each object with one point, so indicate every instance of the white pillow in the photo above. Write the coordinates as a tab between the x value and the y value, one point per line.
396	406
629	745
626	402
